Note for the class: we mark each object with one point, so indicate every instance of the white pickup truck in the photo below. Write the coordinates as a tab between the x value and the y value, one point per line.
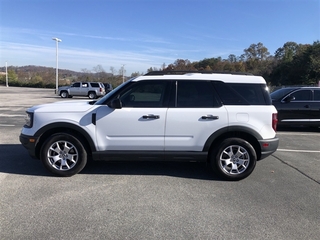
91	90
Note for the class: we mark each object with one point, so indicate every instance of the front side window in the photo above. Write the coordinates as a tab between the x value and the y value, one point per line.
77	84
302	95
145	94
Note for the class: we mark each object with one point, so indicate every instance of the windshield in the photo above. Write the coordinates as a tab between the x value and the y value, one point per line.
103	99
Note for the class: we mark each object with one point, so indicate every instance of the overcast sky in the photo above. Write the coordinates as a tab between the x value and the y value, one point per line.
140	34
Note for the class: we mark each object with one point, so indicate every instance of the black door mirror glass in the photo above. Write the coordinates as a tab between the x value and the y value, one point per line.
115	103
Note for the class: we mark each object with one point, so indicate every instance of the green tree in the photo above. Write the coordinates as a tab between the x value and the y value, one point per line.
287	52
12	78
305	67
255	57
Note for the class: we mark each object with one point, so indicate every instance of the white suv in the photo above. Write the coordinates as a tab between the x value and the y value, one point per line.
226	120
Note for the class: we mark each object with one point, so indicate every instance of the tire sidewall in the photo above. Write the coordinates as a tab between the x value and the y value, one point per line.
64	94
215	158
82	154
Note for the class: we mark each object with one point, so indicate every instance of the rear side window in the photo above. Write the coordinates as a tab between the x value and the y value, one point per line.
317	95
196	94
243	93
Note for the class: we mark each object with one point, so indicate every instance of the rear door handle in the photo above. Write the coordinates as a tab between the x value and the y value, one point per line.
209	116
150	116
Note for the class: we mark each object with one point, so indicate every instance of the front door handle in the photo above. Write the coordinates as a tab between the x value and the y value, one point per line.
150	116
209	116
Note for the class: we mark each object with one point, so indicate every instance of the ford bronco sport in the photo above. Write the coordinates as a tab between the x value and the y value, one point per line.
225	120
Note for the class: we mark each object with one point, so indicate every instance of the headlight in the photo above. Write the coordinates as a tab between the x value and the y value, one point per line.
28	120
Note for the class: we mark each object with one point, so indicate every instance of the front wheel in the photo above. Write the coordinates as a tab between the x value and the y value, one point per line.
234	159
63	155
64	94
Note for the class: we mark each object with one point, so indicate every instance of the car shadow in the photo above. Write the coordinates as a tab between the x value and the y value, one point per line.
16	160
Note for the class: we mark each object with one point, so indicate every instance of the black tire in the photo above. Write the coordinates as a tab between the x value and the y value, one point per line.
234	159
92	95
63	155
64	94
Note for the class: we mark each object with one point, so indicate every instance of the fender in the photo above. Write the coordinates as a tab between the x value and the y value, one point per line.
232	130
71	126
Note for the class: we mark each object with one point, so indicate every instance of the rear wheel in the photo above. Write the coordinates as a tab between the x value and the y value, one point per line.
63	155
234	159
92	95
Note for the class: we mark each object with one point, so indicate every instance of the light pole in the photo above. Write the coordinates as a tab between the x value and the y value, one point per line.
7	75
57	41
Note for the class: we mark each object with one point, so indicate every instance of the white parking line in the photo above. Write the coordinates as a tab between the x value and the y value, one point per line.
298	133
304	151
12	115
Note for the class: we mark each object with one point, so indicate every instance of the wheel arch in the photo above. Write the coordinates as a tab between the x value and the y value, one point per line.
69	128
234	131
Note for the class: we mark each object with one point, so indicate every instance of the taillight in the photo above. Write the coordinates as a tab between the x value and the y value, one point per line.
274	121
100	89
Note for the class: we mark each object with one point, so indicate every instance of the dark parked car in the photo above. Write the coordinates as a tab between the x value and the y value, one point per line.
108	87
297	105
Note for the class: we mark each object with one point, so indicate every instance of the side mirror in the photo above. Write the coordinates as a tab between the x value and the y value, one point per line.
116	104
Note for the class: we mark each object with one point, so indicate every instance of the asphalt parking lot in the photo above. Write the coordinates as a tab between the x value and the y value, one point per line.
280	200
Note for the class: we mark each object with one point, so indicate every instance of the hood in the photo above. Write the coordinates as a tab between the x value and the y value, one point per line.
64	87
63	106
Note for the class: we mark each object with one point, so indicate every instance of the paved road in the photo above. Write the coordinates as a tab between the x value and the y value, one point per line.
280	200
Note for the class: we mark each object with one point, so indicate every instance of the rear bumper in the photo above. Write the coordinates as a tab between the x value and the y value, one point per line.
268	146
29	143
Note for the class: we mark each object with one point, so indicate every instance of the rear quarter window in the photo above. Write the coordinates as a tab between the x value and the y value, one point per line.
243	93
95	85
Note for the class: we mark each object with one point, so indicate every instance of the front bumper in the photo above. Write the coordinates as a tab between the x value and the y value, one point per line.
29	143
268	146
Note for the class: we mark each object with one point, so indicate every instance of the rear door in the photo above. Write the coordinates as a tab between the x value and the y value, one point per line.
84	88
195	116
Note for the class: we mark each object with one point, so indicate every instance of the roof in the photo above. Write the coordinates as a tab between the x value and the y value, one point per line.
192	75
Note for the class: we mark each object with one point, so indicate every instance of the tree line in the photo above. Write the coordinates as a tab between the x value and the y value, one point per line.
291	64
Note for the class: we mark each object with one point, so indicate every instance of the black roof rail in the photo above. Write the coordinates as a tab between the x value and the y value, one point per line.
177	72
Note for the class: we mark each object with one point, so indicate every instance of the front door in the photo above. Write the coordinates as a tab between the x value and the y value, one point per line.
75	89
139	124
298	110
